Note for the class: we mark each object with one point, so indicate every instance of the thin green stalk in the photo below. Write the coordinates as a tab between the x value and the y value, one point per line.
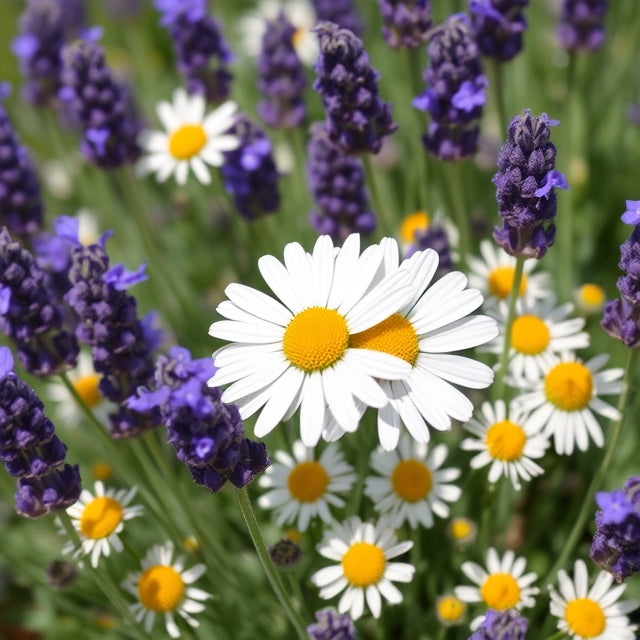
382	213
497	68
487	518
272	574
454	195
557	635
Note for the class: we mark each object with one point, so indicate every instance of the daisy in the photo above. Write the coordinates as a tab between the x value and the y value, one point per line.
413	486
591	614
303	488
450	610
162	587
98	518
189	139
506	442
589	299
565	399
295	351
462	531
502	585
363	551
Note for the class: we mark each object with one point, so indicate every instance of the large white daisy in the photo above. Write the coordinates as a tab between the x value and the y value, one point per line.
592	613
190	140
413	487
362	551
564	401
296	351
302	487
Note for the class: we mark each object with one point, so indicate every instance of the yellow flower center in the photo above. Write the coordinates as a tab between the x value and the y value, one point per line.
294	535
418	221
160	588
315	339
101	517
501	280
505	441
101	470
461	528
297	38
187	141
585	617
395	335
87	388
591	295
308	481
363	564
450	608
500	591
569	386
411	480
529	335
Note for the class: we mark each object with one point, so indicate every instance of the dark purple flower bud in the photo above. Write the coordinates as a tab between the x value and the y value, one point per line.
434	237
406	23
331	625
281	78
337	183
455	93
497	27
357	119
581	26
501	625
525	185
285	554
341	12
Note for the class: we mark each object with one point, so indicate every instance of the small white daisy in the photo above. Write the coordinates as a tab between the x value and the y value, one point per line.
590	299
591	614
413	487
564	400
303	488
506	442
162	587
189	139
296	351
98	518
502	585
462	531
363	551
450	610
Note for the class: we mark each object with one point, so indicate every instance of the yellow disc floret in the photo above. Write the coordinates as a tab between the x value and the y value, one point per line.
450	609
395	335
500	282
585	618
505	441
87	389
101	517
187	141
462	529
411	480
308	481
101	470
160	588
500	591
363	564
569	386
530	335
417	221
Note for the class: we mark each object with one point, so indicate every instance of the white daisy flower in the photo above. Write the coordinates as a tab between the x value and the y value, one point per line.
362	551
502	585
507	442
296	351
565	399
162	587
303	488
450	610
189	140
413	486
98	518
595	613
590	299
462	531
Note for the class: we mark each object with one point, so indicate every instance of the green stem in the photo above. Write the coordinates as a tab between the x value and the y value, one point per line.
487	519
497	68
383	214
272	574
557	635
455	190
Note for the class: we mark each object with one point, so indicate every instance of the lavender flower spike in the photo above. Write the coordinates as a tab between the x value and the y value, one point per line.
632	214
406	23
331	625
501	625
357	119
342	12
497	27
581	26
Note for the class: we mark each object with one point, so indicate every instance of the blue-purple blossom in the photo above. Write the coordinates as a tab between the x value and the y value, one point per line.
331	625
434	237
581	26
501	625
632	214
406	23
497	27
341	12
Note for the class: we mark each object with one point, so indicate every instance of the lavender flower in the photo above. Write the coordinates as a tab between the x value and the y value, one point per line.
434	237
525	185
455	93
201	51
338	187
30	449
581	25
501	625
341	12
497	27
100	106
332	626
406	23
206	433
281	79
616	544
357	119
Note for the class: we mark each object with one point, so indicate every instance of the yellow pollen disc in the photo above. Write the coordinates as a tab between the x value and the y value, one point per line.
500	591
418	221
160	588
100	517
308	481
363	564
461	528
101	470
187	141
501	280
450	608
395	335
294	535
530	335
411	480
297	38
585	617
569	386
87	388
315	339
191	544
505	441
591	294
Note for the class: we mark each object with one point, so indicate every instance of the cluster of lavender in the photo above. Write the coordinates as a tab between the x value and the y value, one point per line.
497	27
455	93
206	433
434	237
331	626
357	119
581	26
30	450
406	23
525	187
501	625
616	544
342	12
202	55
337	184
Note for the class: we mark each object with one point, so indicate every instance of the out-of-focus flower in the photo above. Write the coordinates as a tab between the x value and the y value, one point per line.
406	23
450	610
581	26
342	12
589	299
462	531
332	626
502	625
497	27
